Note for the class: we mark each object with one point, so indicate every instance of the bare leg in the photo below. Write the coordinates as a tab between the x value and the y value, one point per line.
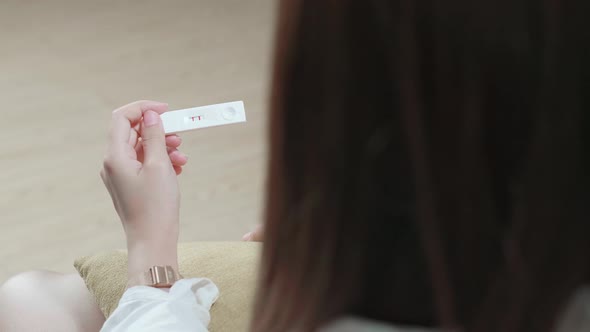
48	301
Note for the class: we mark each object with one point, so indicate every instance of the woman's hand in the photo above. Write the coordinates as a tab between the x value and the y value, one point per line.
139	171
257	235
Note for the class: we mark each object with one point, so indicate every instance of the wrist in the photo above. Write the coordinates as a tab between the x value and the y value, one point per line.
143	255
148	232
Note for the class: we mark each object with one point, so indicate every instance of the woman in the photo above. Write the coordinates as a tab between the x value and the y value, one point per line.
428	169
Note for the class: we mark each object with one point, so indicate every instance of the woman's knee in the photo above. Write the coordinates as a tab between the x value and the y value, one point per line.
24	281
24	289
43	300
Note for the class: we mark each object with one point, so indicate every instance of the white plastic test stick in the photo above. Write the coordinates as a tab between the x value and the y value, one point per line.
203	117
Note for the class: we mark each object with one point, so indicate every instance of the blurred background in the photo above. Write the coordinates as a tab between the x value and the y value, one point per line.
66	64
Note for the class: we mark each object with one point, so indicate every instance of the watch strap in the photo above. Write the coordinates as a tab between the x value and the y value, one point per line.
156	276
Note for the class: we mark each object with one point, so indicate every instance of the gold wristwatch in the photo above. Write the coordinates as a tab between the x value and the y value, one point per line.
156	276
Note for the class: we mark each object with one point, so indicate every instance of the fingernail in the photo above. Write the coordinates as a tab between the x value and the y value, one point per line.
247	236
150	118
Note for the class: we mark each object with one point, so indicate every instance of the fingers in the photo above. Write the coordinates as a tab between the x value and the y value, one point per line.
133	136
124	122
153	138
257	235
173	141
177	169
176	157
128	116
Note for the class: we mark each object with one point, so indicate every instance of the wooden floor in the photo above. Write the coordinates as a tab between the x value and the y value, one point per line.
65	65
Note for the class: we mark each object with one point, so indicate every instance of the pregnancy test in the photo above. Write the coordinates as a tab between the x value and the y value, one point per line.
203	117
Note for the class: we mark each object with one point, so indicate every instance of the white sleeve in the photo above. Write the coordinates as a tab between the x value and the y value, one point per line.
185	307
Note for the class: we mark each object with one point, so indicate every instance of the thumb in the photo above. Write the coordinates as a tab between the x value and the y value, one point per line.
153	137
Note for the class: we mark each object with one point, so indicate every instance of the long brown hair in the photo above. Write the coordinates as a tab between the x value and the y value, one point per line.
429	164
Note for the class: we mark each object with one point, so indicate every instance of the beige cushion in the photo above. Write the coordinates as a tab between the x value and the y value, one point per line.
231	266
